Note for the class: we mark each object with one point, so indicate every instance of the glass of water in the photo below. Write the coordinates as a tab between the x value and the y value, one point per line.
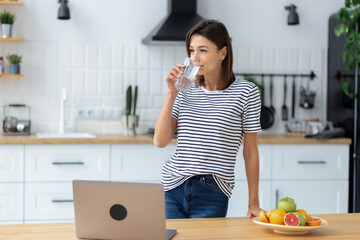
187	77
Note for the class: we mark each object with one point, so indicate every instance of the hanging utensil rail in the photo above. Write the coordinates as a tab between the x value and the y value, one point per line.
340	75
311	75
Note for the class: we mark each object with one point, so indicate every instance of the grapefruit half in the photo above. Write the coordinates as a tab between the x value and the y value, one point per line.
291	219
313	222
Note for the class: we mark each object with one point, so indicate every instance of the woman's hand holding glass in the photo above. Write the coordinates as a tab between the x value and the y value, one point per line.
174	73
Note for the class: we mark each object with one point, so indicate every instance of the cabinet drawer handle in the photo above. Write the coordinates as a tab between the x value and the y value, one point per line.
62	201
311	162
68	163
276	198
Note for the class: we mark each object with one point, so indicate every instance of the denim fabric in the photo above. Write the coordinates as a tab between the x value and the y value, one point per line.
198	197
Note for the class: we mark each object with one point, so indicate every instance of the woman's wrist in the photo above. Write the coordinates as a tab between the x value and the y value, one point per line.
255	203
171	94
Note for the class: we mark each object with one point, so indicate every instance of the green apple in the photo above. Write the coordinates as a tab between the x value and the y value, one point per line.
287	204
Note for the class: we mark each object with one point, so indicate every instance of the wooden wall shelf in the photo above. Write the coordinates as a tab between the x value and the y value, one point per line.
12	39
11	75
12	2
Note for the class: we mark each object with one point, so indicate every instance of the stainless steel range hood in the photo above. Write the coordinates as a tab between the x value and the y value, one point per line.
172	29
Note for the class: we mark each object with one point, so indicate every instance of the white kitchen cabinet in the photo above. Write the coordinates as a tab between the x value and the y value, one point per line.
316	197
48	221
265	152
49	172
10	222
11	184
49	201
316	176
35	180
11	163
139	163
239	201
310	162
46	163
11	202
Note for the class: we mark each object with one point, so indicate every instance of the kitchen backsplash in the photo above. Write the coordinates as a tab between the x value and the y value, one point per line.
97	74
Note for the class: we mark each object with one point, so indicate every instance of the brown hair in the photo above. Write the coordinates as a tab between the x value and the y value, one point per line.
216	32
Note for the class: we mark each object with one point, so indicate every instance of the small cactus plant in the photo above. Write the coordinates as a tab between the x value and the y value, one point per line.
130	101
135	99
130	119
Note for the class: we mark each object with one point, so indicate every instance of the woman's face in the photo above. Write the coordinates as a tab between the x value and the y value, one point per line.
205	52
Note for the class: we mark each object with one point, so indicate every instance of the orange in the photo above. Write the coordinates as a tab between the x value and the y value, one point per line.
263	217
268	213
303	212
313	222
277	216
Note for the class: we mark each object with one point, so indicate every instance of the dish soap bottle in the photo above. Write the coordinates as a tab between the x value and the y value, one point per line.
1	65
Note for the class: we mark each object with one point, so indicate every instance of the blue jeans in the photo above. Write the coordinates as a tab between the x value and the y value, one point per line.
198	197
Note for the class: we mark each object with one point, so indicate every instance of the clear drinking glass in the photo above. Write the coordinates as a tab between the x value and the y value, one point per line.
187	77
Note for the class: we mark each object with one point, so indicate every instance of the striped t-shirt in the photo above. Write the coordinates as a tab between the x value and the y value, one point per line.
211	126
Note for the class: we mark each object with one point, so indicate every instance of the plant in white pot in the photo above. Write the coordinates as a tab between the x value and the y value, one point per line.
14	61
130	121
7	20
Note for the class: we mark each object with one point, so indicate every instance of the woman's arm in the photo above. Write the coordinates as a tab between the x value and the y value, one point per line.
251	158
166	125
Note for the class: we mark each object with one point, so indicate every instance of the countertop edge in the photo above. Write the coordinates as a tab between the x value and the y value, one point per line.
144	139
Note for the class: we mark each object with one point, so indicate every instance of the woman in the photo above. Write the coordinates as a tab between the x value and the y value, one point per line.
211	121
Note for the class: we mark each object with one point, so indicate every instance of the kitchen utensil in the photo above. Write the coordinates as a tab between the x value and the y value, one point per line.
20	127
284	109
16	119
307	96
291	229
267	115
271	94
187	77
293	98
297	128
316	127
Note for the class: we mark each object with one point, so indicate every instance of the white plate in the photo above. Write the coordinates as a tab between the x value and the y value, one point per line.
291	229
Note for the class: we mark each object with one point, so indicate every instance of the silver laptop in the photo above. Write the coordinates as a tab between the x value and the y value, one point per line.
119	210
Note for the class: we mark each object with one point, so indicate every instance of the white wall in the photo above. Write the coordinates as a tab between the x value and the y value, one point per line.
98	53
264	22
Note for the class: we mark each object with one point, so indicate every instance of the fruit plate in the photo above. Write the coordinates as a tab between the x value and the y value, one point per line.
291	229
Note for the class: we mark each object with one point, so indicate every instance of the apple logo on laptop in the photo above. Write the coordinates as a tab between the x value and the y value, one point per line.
118	212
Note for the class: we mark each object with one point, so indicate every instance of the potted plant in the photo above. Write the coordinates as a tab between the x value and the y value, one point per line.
130	120
14	61
349	27
7	19
349	16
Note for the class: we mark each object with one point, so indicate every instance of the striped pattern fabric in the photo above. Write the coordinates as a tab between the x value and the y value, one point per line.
211	126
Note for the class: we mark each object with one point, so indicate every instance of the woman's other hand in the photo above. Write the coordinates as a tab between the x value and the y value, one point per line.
174	74
254	211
